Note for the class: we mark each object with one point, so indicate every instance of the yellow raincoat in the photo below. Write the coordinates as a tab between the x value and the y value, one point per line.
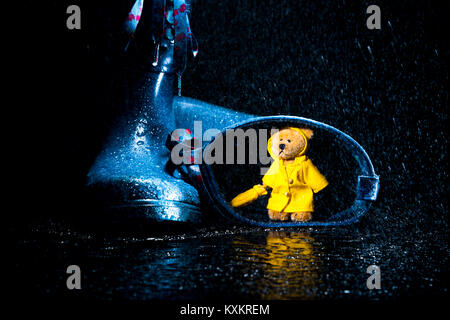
293	185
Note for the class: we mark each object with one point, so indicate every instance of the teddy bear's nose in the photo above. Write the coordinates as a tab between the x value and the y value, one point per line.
282	146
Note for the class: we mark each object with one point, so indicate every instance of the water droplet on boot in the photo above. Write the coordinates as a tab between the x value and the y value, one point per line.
140	130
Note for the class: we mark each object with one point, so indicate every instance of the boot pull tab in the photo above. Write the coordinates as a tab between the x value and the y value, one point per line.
132	20
184	39
170	28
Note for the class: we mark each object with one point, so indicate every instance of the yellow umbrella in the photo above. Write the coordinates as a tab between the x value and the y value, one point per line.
248	196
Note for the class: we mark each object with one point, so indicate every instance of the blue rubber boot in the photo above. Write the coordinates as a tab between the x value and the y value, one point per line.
130	178
188	110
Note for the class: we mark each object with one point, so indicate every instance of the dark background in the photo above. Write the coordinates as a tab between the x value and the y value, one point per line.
386	88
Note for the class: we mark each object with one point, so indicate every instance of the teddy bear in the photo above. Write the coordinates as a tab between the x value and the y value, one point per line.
292	177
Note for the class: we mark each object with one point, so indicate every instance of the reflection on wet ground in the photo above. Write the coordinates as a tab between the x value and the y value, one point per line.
239	263
289	263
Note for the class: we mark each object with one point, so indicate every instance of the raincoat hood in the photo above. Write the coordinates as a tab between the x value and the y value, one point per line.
275	157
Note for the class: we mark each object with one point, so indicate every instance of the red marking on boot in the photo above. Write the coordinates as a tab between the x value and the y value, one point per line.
193	143
187	131
138	18
175	12
175	22
130	17
182	8
192	159
199	178
180	37
187	29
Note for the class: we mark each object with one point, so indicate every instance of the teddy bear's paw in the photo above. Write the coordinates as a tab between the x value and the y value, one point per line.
275	215
301	216
284	216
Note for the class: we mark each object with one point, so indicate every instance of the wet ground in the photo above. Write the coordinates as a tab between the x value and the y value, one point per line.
233	263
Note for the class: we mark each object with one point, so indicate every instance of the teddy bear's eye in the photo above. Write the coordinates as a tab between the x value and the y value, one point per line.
289	141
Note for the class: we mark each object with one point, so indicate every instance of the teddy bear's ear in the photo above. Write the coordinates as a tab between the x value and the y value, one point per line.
308	132
274	131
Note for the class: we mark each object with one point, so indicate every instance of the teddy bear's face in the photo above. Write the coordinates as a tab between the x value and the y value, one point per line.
287	143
